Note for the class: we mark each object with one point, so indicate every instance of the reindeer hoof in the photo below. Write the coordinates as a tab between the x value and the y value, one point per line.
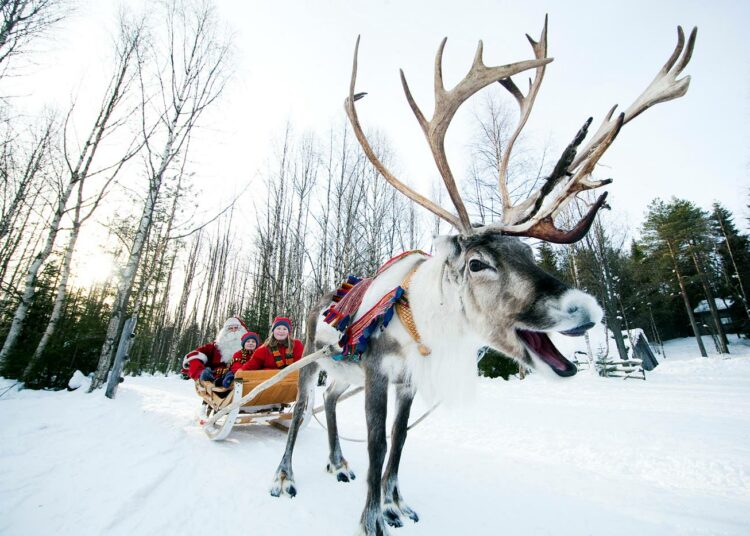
393	513
342	471
411	514
283	485
392	517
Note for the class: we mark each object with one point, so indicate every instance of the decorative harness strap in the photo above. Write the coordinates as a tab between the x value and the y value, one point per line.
403	310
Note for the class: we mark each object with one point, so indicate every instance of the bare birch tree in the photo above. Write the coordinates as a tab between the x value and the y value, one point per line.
20	178
192	78
28	186
129	41
494	127
78	169
24	21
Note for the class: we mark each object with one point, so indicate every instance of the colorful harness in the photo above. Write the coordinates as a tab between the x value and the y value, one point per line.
355	336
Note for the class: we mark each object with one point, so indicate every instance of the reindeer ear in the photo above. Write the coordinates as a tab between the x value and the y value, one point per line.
450	246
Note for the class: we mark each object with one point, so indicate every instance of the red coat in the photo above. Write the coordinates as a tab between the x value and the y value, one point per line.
240	358
204	356
263	357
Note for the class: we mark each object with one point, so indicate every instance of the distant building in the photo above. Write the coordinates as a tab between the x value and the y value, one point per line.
725	308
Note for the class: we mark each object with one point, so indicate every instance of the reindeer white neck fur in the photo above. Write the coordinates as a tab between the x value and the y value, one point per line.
449	373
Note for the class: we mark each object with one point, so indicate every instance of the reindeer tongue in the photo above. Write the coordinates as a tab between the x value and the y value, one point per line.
544	349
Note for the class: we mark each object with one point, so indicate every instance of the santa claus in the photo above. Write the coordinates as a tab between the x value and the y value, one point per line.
210	361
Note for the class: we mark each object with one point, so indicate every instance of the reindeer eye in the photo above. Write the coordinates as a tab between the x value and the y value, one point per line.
477	266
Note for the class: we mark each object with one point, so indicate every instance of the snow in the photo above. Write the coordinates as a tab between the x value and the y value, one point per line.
587	455
602	342
78	380
721	305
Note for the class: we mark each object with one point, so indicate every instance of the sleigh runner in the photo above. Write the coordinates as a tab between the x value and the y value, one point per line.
272	406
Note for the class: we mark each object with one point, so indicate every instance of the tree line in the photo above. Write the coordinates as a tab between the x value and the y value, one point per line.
323	213
686	258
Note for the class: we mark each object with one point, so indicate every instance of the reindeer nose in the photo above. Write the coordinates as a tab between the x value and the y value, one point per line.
578	331
572	309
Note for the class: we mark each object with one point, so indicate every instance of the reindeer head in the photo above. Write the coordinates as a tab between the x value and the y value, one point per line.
513	303
509	302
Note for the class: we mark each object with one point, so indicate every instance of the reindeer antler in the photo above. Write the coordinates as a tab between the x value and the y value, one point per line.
525	103
446	105
351	111
534	217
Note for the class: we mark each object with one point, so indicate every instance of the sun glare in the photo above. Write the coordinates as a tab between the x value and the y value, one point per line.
92	269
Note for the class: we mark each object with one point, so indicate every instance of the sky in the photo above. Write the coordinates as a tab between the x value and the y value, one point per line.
291	63
294	62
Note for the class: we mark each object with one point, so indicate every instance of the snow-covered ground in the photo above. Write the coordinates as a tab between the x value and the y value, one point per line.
587	455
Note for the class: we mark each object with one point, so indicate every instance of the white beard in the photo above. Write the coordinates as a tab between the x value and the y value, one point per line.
228	343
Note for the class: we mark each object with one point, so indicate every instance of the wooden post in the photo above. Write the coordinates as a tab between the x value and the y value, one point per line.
126	339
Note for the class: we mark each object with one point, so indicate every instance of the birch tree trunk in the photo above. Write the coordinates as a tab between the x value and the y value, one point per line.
29	291
61	288
596	241
33	167
118	85
194	78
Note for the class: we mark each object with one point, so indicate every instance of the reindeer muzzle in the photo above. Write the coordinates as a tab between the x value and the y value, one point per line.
540	344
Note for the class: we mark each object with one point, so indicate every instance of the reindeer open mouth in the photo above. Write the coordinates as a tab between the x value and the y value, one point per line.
542	346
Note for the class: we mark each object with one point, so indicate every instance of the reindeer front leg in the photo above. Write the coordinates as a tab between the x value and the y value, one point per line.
336	463
376	401
283	481
393	504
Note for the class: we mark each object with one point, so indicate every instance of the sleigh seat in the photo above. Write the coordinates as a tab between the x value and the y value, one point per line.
273	406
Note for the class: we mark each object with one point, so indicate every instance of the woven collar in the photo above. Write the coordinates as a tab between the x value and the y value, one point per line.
403	310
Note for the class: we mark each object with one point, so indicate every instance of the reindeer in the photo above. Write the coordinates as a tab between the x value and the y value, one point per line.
480	288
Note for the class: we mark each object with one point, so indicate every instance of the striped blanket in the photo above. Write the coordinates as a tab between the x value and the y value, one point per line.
355	335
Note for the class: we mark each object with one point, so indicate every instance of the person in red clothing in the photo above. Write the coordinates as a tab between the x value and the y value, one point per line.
250	341
211	361
279	350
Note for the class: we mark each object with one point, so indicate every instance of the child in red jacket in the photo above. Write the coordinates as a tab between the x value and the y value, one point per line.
279	350
249	341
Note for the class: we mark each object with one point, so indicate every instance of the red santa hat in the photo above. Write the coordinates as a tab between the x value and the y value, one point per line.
281	321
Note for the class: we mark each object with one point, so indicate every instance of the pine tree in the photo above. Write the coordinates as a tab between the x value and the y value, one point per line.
733	249
676	234
548	260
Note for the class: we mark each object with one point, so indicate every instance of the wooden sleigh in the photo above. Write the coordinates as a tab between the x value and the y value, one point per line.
272	406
